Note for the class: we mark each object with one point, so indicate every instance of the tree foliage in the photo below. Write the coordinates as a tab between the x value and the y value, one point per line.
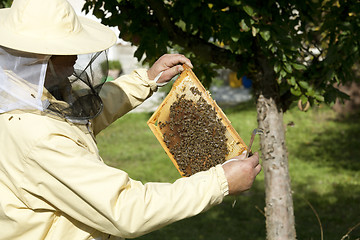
292	50
309	45
5	3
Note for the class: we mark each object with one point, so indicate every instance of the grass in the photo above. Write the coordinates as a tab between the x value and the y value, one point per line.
324	159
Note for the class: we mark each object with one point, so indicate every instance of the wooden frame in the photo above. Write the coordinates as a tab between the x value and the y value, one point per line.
182	85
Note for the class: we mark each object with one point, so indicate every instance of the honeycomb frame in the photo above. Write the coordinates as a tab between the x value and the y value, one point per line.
188	84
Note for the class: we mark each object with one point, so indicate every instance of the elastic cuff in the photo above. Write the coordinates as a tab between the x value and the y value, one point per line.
224	187
142	72
157	78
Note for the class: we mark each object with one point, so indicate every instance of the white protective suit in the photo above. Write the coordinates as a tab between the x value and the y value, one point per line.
54	185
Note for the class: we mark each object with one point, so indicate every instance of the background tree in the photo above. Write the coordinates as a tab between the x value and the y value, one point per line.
5	3
292	50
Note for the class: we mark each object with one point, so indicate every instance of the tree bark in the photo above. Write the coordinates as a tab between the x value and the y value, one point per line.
279	211
280	221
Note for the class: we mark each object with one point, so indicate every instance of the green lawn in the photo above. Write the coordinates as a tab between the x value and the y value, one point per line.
324	158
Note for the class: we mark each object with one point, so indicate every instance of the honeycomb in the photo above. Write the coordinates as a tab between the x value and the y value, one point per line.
192	129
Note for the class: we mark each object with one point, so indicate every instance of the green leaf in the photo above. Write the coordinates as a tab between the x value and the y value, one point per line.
98	13
319	98
235	39
181	24
277	67
254	31
291	81
298	66
303	99
310	92
295	92
243	26
265	35
282	73
288	67
304	84
273	49
249	10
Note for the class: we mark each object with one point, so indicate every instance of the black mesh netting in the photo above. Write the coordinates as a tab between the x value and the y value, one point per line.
75	83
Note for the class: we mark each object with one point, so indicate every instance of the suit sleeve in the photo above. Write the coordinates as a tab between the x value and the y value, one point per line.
77	183
122	95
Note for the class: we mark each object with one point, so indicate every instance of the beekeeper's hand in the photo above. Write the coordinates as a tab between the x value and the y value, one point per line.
240	172
167	66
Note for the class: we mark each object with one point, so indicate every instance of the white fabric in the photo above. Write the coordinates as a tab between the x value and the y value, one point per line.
51	27
157	78
242	157
22	78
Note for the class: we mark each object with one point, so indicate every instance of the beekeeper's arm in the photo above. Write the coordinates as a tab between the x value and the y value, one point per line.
77	184
74	182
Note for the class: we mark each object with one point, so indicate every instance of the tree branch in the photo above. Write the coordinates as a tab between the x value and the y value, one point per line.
203	49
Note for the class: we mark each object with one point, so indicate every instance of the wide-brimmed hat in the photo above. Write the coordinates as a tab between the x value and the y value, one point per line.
51	27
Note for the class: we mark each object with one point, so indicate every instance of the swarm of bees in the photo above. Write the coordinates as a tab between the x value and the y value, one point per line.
194	135
192	129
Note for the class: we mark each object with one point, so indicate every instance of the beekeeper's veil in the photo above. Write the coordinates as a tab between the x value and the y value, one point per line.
51	59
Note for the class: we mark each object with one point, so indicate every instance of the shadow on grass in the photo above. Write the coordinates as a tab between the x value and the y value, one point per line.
338	211
243	221
339	147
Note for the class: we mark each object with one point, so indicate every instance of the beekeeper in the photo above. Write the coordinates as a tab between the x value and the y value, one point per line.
53	102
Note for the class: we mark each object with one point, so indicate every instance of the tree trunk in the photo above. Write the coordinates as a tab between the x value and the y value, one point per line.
279	210
280	222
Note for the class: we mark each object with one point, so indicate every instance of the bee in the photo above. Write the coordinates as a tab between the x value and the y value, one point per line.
199	132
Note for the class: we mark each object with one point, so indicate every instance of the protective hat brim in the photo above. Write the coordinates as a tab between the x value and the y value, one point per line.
93	37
